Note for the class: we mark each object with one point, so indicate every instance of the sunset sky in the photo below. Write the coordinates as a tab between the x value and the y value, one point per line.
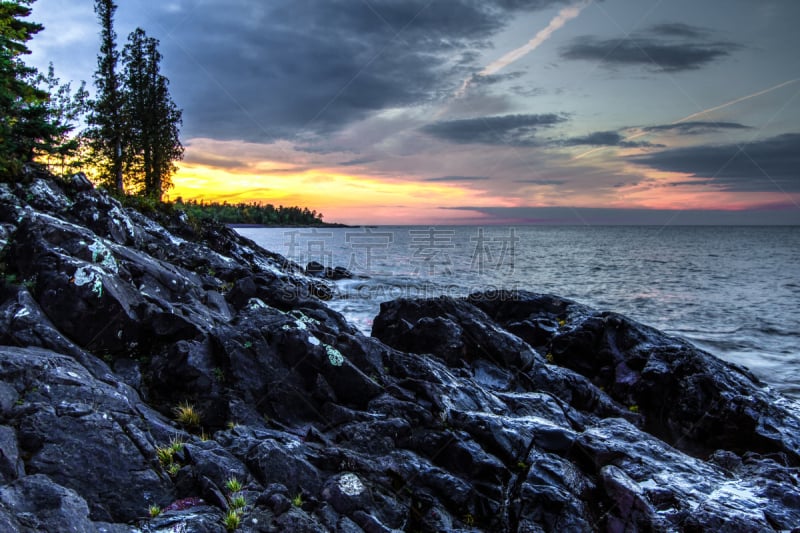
474	111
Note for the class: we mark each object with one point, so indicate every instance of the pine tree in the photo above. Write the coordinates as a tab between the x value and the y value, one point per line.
105	120
65	110
25	128
151	118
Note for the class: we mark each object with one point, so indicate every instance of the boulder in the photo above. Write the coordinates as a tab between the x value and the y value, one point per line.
84	434
36	503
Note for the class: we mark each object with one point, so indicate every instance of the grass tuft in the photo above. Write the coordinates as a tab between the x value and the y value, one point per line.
238	502
232	520
186	414
164	454
233	484
173	469
297	501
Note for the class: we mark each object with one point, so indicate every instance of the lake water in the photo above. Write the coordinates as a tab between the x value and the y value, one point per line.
734	291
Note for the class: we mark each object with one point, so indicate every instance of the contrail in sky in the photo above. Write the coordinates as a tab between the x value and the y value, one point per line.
564	16
696	115
742	99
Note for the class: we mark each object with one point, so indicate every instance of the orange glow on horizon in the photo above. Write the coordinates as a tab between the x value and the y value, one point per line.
240	172
345	198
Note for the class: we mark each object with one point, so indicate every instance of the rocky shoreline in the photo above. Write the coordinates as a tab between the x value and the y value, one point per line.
161	375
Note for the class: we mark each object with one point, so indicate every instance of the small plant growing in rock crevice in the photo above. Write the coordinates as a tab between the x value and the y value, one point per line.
187	415
232	520
176	445
297	501
166	456
166	453
237	502
233	484
154	511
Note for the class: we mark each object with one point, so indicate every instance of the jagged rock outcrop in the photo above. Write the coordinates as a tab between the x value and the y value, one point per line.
161	375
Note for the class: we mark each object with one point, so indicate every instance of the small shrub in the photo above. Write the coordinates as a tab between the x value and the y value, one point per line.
154	511
233	484
633	408
187	415
232	520
173	469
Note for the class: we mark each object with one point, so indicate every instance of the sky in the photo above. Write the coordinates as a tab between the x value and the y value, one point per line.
474	111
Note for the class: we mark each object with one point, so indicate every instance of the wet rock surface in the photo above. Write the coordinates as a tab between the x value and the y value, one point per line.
161	375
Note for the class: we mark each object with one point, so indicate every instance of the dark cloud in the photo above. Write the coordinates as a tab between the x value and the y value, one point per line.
697	127
787	214
768	165
679	29
511	130
457	178
530	5
662	48
265	70
605	138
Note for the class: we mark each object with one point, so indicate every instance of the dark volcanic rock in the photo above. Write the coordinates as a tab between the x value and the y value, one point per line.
319	270
450	329
35	503
149	362
82	433
686	397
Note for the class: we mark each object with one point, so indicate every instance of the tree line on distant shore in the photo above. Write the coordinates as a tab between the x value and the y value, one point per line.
131	140
250	213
